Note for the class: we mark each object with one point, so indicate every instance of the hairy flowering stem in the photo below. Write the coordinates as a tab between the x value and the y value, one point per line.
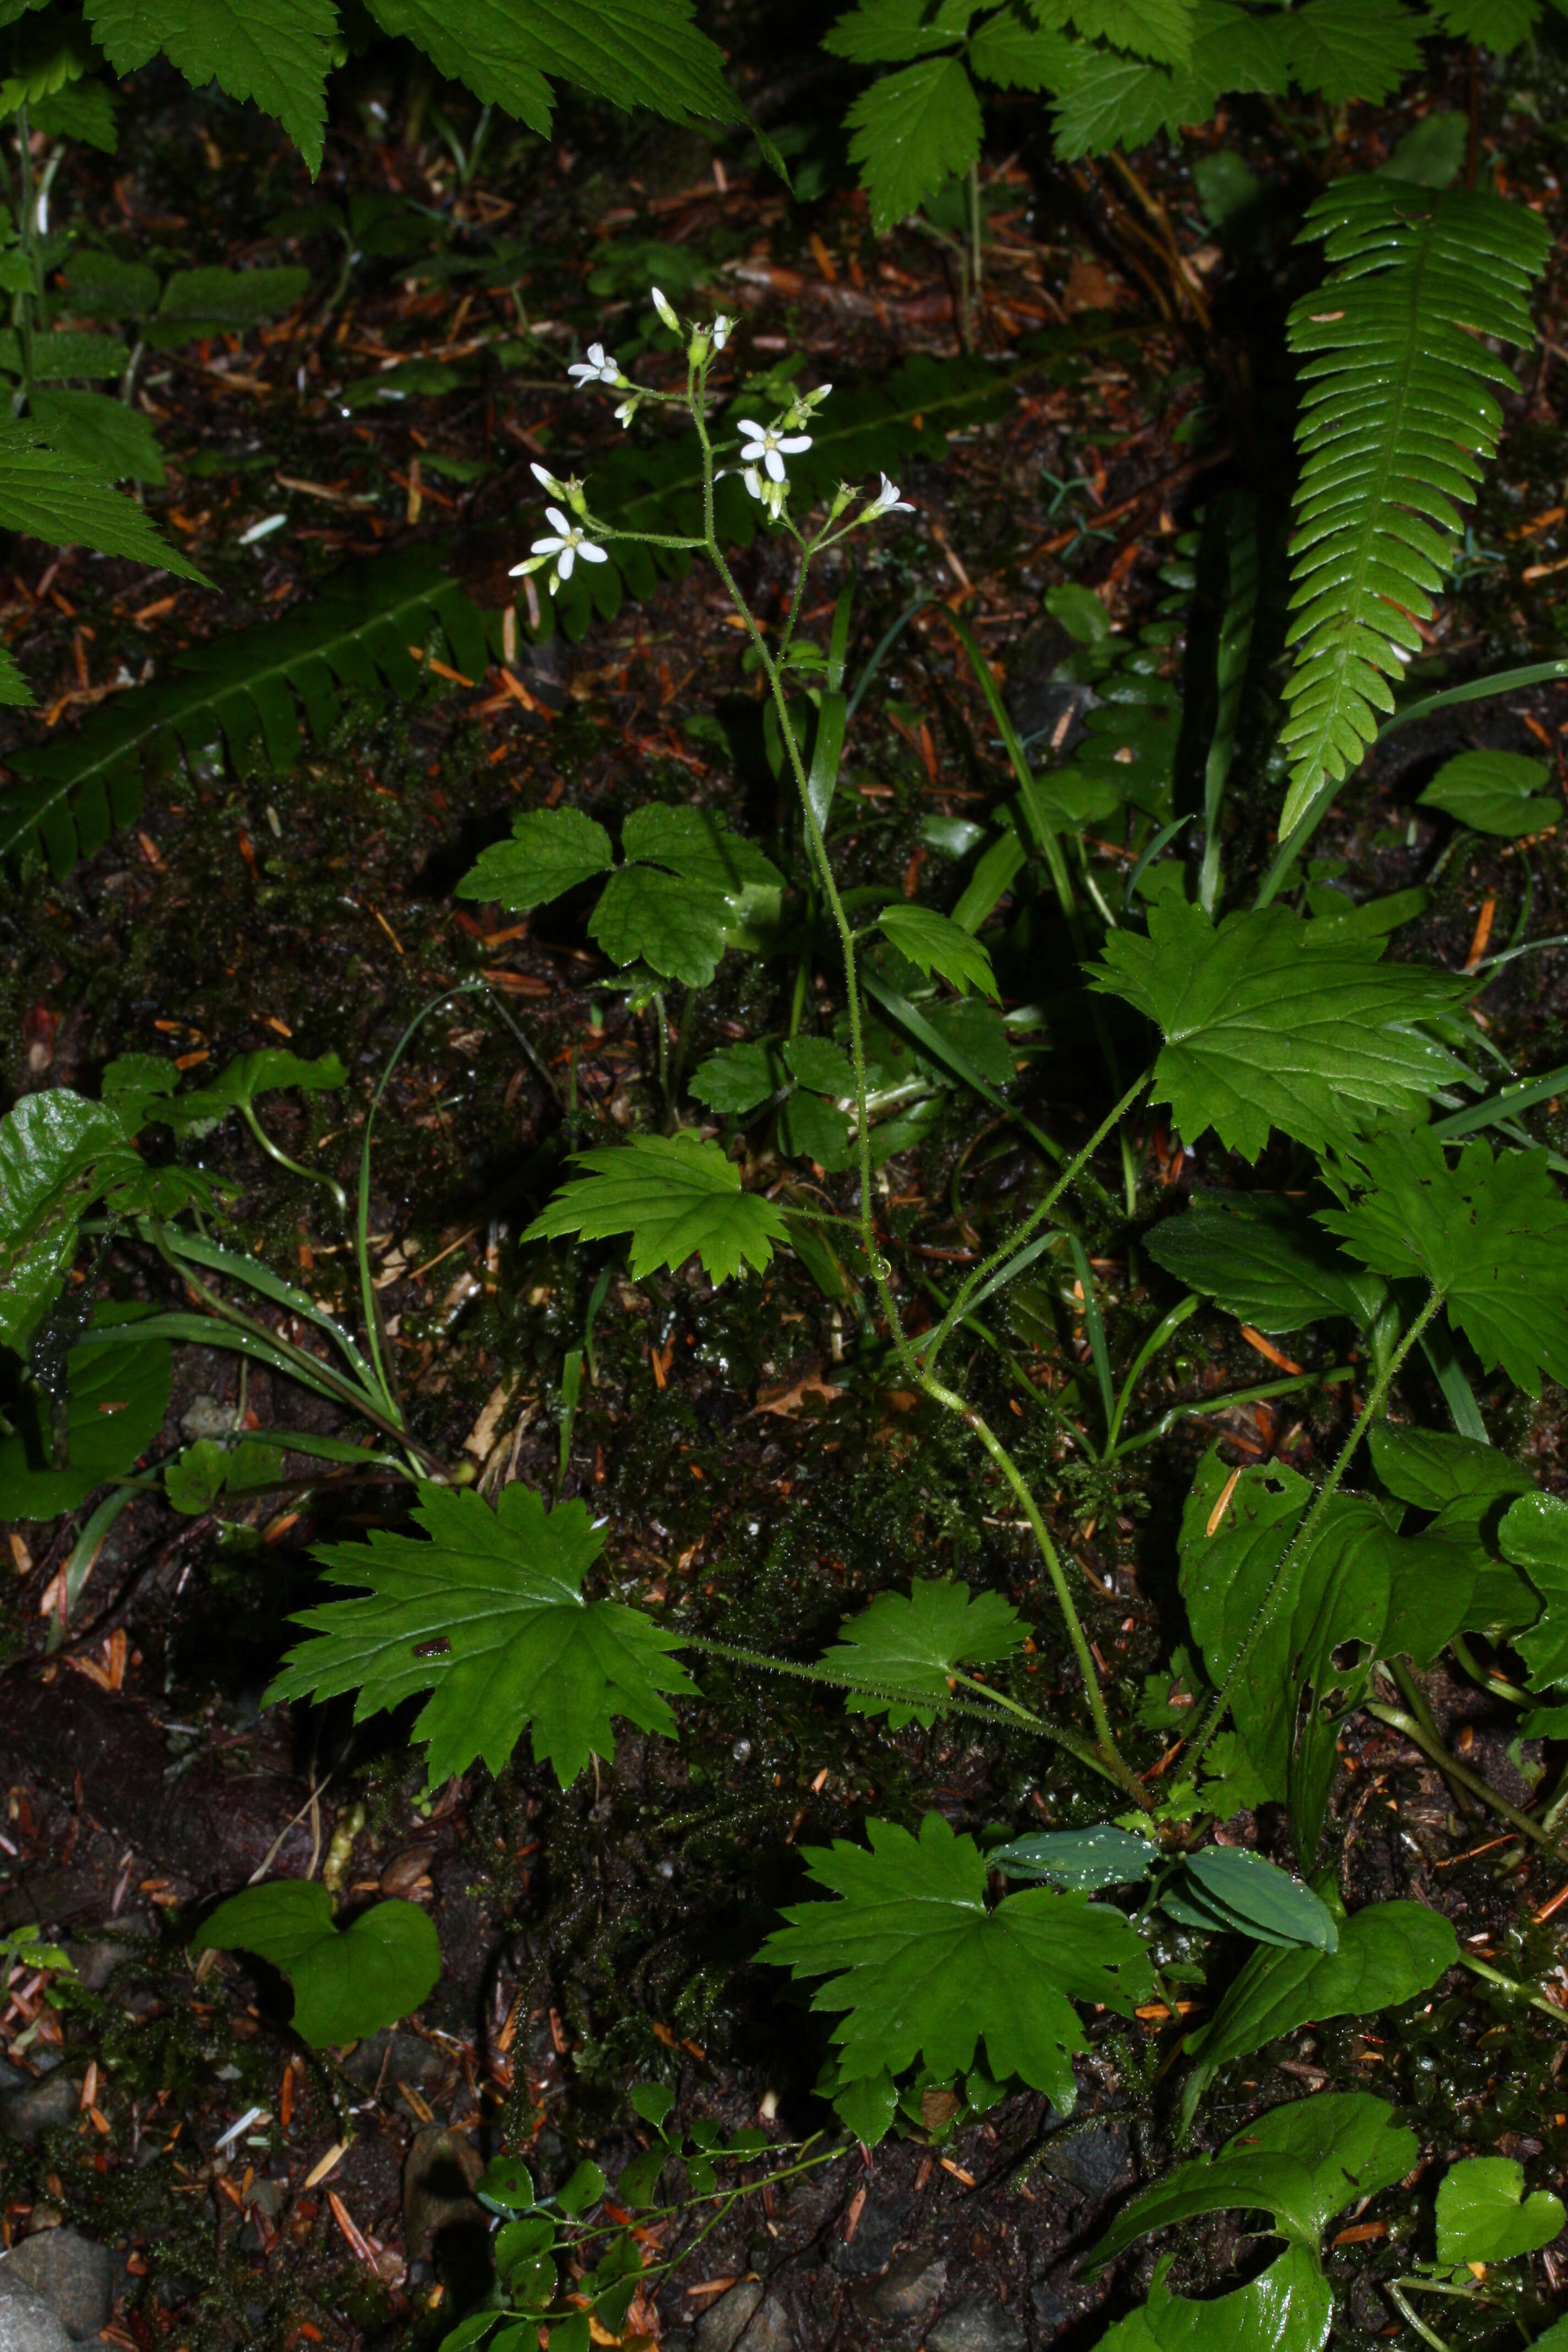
1308	1529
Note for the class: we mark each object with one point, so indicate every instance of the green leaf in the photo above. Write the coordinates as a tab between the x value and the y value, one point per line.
1263	1262
910	133
84	111
1396	418
1249	1893
101	286
347	1982
50	1145
810	1128
1432	152
1387	1953
886	32
675	1196
1484	2215
46	497
637	53
99	434
666	920
1494	792
1017	55
739	1077
1495	25
118	1397
1489	1233
1334	1599
867	2107
550	852
1270	1021
506	2185
939	946
14	691
925	1971
274	51
196	1477
1086	1861
1301	2164
912	1646
67	352
489	1617
584	2186
223	301
1435	1470
1290	2305
1534	1535
697	844
817	1062
1345	50
1160	29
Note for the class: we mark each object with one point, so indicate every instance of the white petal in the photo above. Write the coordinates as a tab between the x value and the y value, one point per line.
795	441
596	354
775	465
582	371
557	520
547	480
591	553
546	546
564	566
746	424
754	481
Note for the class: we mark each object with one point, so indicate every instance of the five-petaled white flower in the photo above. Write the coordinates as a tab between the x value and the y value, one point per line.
888	501
770	448
599	367
566	547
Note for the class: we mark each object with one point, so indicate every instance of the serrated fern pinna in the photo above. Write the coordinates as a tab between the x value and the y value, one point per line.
249	691
1396	422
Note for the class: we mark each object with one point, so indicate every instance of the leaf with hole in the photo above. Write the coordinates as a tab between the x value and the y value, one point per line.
486	1612
347	1982
913	1644
919	1969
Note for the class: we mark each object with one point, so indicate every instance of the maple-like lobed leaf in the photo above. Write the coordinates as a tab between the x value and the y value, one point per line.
485	1611
912	1643
677	1197
926	1973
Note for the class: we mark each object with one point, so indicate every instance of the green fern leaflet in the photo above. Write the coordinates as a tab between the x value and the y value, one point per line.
1397	421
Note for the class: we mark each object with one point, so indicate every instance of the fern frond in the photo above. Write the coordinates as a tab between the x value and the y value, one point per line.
250	691
1397	421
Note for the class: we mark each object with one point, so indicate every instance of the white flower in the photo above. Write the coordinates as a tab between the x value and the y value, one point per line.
566	545
773	493
664	308
597	368
770	447
626	411
888	501
719	332
547	481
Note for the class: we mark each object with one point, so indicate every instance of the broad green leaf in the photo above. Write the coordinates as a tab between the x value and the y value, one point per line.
347	1982
101	286
222	302
1345	50
16	694
939	946
1387	1953
740	1077
888	32
486	1615
1263	1261
1495	25
550	852
1334	1599
1434	1470
913	1644
1301	2164
68	351
1491	1235
1086	1861
118	1397
100	434
1007	49
635	53
810	1128
867	2107
817	1062
910	133
1288	2305
668	920
677	1197
195	1479
926	1971
1432	152
1271	1022
83	109
1484	2215
1534	1535
699	845
274	51
50	1145
1495	792
46	497
506	2185
1160	29
1249	1893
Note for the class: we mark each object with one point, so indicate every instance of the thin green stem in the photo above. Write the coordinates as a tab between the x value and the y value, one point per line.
1427	2335
1510	1984
1308	1529
275	1151
1415	1698
1399	1720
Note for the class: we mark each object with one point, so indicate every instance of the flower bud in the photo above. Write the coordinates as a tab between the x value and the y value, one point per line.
665	309
557	489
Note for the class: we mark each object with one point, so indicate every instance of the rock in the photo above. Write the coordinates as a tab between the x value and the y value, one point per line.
100	1952
981	2324
47	2100
439	2177
26	2322
75	2275
391	2057
1096	2159
404	1870
876	2232
747	2319
908	2288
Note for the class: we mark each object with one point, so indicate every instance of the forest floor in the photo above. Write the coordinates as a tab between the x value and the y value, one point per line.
251	2193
